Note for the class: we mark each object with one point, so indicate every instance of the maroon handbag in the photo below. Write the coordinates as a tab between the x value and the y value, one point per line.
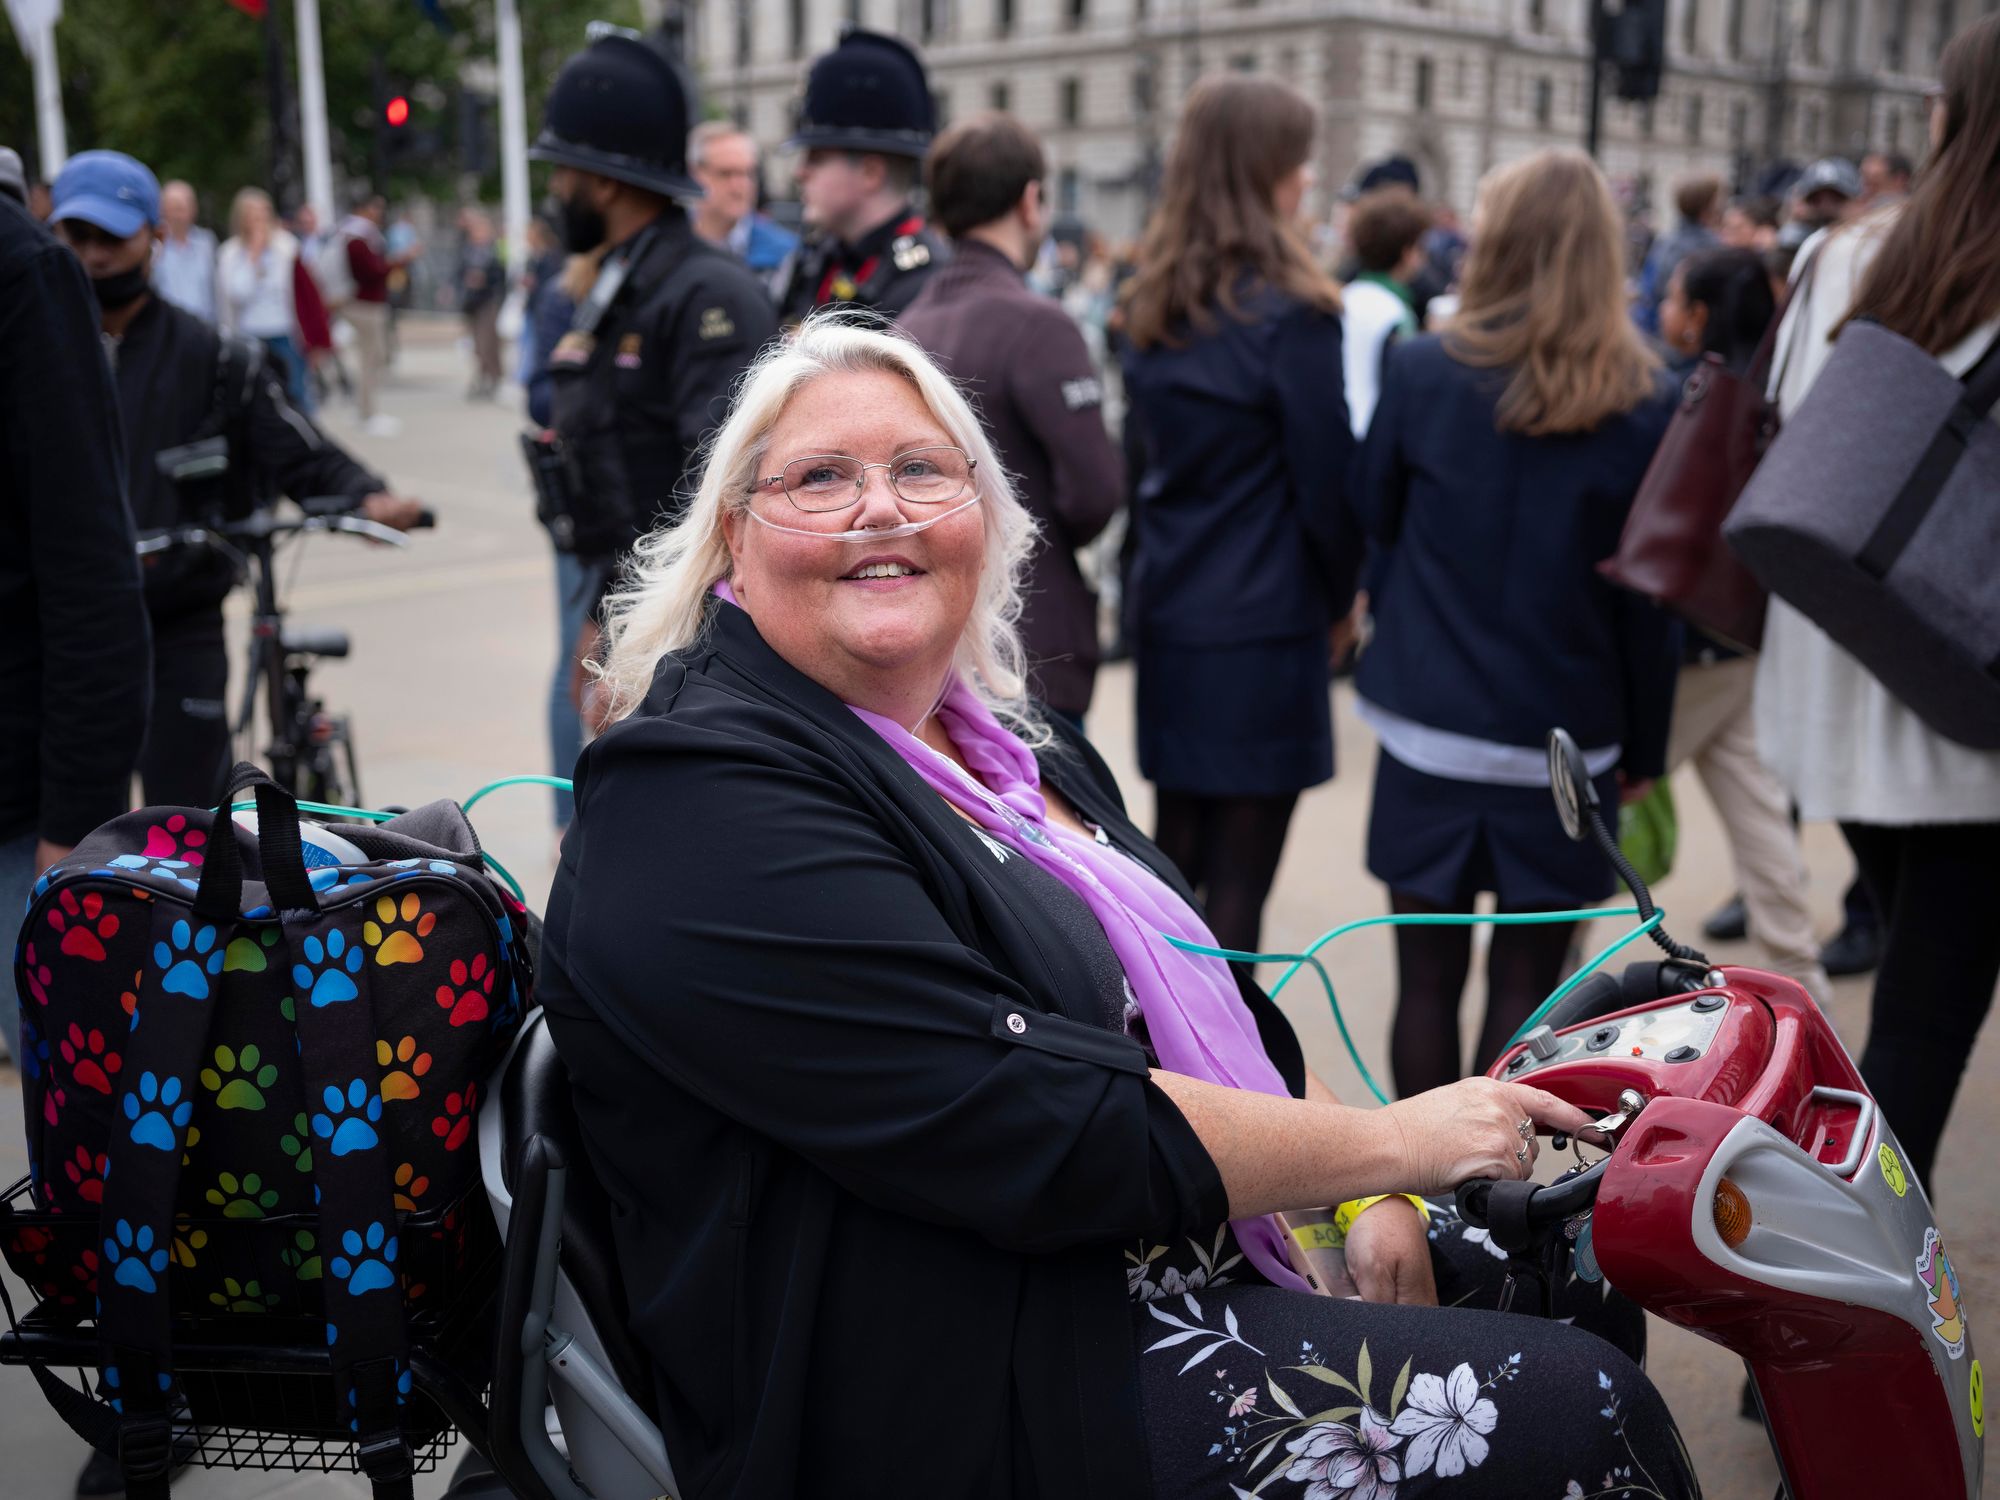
1672	549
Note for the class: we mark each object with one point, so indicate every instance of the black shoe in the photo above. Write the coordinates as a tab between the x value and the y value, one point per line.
1855	949
1728	923
100	1477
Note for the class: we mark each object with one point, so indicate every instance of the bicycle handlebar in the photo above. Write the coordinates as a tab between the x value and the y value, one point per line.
1548	1205
267	525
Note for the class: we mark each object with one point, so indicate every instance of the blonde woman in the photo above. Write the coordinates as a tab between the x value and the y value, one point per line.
918	1130
255	294
1498	471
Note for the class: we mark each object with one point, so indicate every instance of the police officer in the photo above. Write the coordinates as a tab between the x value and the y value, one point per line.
179	382
669	322
863	127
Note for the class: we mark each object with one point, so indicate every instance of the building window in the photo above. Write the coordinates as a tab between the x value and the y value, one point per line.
1072	101
1424	68
1734	40
1691	27
1461	77
742	36
1544	101
1810	127
1815	21
1243	62
1003	16
998	98
1067	190
1075	13
941	106
1694	117
795	30
1538	15
1892	44
1142	91
1739	124
1288	64
1947	24
1646	119
1389	61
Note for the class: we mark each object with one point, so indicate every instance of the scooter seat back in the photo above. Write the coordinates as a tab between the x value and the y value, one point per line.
535	1099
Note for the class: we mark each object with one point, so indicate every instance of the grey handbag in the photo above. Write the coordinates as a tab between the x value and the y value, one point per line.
1876	514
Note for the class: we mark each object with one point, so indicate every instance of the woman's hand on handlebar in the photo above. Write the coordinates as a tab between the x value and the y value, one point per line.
1473	1128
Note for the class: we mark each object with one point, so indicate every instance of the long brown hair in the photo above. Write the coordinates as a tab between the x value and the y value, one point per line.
1937	275
1217	225
1544	297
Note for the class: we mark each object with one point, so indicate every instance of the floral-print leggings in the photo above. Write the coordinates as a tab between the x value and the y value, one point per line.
1249	1389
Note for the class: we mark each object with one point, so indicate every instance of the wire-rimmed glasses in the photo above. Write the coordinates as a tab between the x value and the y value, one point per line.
821	482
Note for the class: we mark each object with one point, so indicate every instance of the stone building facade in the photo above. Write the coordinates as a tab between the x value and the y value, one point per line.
1458	85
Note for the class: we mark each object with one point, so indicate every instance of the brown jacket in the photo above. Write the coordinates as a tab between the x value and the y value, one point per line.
1026	369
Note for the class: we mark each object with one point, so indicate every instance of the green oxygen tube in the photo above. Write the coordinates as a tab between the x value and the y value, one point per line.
1298	961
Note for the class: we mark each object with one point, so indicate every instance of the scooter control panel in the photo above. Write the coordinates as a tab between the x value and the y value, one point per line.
1675	1034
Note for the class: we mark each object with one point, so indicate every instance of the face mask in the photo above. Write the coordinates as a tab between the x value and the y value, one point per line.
583	227
120	290
875	534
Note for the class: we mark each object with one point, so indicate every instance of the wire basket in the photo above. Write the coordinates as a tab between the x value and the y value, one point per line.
253	1379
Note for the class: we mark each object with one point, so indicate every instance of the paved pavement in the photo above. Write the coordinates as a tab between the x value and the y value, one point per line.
453	644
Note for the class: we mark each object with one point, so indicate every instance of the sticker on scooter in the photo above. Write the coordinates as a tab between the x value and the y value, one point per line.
1977	1400
1935	1271
1892	1170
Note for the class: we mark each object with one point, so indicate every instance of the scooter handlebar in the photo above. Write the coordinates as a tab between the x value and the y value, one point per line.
1499	1206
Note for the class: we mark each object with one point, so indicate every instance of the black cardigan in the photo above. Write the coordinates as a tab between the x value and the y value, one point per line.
870	1223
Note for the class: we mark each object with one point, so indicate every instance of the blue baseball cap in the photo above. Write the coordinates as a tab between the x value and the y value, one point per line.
108	189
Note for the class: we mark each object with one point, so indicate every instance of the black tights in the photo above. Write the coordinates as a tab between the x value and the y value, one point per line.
1228	849
1522	965
1935	886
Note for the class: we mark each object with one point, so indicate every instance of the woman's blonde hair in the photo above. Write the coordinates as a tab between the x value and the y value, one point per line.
1544	297
244	198
673	569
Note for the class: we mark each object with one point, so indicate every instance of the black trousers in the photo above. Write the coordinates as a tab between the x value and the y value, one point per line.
1276	1389
1936	887
186	755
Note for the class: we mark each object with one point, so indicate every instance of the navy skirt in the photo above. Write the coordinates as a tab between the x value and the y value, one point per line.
1236	721
1446	841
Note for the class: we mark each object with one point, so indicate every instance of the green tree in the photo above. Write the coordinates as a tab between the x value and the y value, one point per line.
183	86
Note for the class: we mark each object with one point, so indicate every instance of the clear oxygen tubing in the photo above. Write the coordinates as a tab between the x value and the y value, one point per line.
374	815
876	534
1431	919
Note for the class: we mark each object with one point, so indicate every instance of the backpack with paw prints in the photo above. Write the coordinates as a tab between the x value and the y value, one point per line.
250	1076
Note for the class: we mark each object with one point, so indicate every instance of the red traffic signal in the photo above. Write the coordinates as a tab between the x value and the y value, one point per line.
397	111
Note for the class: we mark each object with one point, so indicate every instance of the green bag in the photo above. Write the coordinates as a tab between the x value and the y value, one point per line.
1648	831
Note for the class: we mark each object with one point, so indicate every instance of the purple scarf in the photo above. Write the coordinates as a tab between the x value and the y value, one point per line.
1195	1016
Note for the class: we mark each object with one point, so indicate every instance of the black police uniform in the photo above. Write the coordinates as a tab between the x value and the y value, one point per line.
645	370
869	94
176	385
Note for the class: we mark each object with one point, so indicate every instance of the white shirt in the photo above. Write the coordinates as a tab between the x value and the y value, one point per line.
1844	746
255	292
184	272
1369	313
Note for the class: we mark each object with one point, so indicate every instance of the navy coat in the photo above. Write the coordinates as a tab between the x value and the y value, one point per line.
1490	617
1243	535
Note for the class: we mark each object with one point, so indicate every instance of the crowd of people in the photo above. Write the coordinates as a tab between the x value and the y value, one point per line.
817	506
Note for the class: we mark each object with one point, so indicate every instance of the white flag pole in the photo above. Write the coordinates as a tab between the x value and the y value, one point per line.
35	26
312	115
513	133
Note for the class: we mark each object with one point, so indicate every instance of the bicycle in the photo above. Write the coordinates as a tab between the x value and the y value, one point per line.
311	751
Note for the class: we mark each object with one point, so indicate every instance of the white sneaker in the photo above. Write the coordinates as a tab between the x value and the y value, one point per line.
382	425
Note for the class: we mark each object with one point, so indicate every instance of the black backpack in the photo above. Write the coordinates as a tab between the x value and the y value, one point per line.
251	1076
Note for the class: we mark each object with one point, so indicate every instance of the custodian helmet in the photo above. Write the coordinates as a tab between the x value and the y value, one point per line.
619	109
868	94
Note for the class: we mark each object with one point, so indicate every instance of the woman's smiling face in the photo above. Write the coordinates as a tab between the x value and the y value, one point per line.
883	641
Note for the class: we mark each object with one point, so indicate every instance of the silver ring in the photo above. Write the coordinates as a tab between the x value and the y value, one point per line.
1526	1129
1521	1156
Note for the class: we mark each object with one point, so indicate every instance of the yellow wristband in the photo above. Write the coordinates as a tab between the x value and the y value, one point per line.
1345	1215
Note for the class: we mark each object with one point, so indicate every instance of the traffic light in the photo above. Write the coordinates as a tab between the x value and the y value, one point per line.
1632	37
